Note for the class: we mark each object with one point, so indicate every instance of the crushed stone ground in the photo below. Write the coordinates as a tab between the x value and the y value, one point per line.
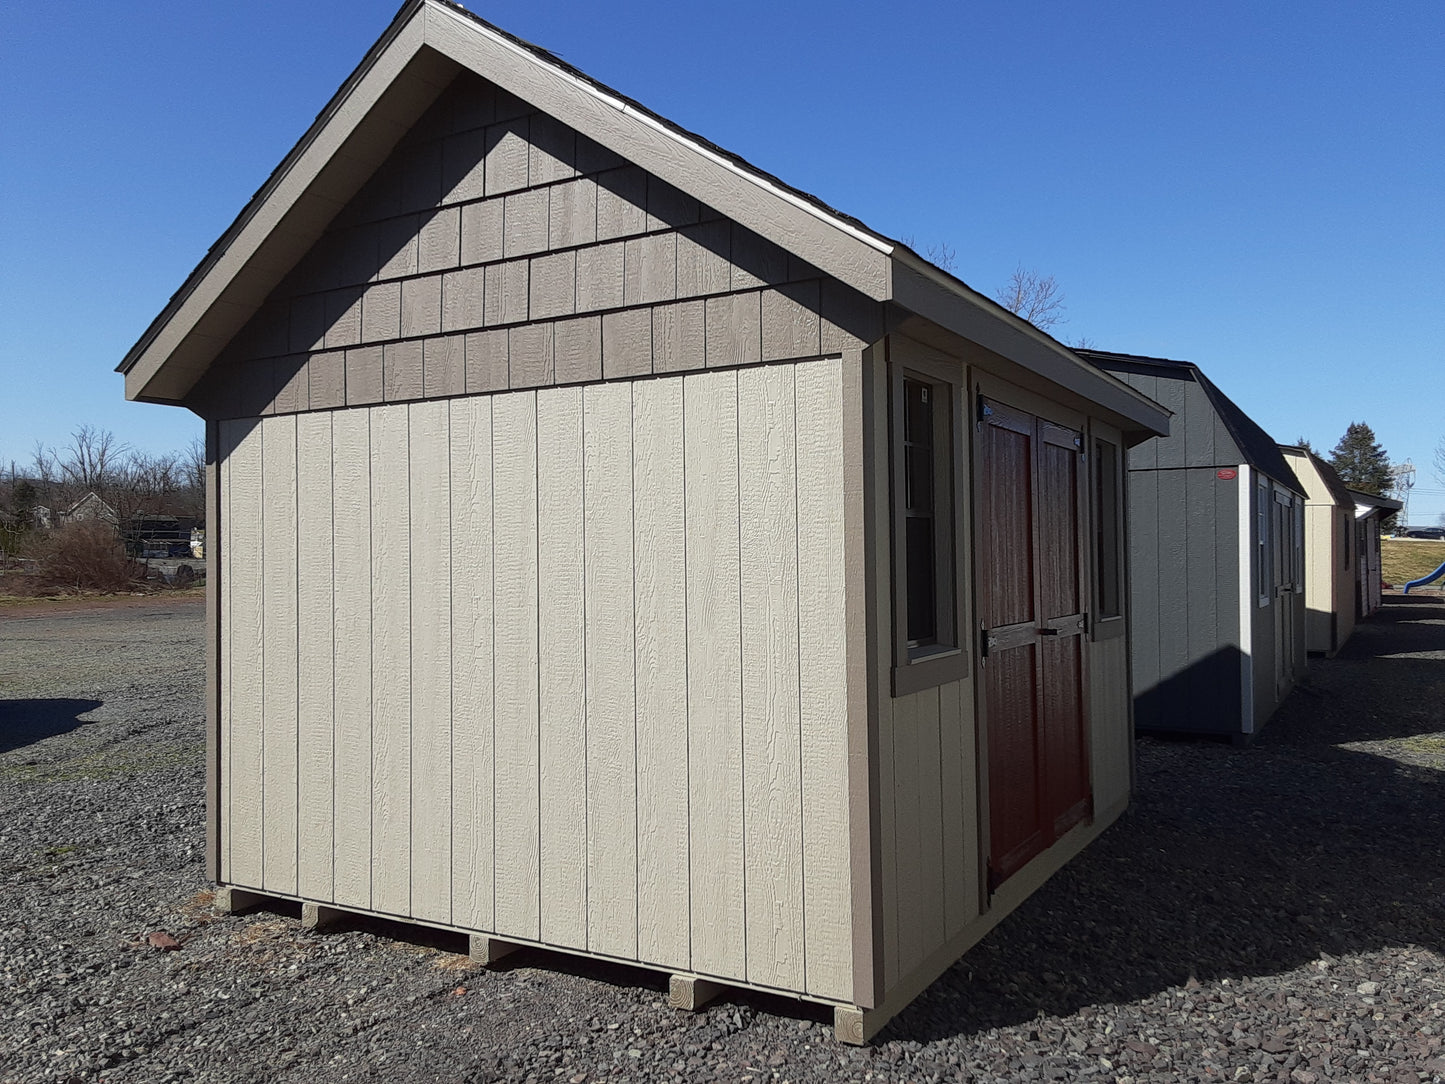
1267	914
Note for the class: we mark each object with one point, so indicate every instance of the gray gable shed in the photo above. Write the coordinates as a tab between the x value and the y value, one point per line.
1216	559
605	539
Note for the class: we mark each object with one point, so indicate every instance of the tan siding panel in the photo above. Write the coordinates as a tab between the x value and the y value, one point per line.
611	745
278	674
431	662
473	684
772	783
529	355
823	687
245	640
663	903
351	469
958	807
927	896
391	661
702	260
621	203
714	674
649	269
363	375
315	629
561	646
907	855
514	474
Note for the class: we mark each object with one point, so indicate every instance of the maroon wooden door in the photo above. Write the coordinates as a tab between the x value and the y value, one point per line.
1031	604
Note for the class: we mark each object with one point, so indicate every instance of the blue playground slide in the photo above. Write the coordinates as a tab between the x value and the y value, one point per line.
1423	580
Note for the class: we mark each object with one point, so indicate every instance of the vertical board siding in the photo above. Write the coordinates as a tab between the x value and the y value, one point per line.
431	661
279	650
823	680
772	775
245	619
472	653
714	671
391	658
565	665
351	510
315	657
660	632
611	746
561	646
516	874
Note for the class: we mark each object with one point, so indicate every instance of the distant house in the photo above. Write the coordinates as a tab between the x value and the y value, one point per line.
89	509
1331	552
1216	559
616	550
1370	511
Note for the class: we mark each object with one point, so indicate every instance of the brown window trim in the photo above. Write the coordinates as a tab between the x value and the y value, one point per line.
944	657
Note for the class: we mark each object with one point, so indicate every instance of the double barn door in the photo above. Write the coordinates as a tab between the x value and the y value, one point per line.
1031	598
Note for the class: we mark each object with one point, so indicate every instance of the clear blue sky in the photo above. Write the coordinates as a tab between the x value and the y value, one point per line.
1259	188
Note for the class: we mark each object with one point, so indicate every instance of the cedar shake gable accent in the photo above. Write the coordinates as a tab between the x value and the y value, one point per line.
380	108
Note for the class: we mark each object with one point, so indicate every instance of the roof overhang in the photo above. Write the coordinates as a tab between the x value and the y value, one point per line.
427	45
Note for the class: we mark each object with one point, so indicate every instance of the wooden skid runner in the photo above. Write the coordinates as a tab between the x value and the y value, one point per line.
851	1024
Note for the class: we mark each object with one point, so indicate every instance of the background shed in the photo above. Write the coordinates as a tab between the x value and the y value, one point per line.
1216	559
1332	552
1370	512
593	533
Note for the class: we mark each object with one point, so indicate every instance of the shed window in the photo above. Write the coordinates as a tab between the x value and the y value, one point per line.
919	522
1261	530
925	515
1108	590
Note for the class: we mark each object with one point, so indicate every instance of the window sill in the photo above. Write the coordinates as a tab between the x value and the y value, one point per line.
1107	628
929	671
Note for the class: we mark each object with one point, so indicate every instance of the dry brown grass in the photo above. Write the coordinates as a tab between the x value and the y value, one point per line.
1403	559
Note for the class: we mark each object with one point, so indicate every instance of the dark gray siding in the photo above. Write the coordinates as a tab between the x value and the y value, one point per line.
1184	583
498	249
1184	549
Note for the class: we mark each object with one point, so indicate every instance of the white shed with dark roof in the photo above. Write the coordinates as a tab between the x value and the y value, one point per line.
1216	559
606	543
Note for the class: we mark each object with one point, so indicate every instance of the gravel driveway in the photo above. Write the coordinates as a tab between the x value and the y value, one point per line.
1267	914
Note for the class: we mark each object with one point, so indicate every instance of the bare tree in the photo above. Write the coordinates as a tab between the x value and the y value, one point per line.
1037	298
91	462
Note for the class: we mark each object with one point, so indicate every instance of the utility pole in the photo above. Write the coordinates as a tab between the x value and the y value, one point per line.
1404	481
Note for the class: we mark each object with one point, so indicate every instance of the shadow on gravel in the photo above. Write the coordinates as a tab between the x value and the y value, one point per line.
1238	862
25	722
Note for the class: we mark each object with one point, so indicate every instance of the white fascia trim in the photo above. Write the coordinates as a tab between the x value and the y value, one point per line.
621	106
1246	599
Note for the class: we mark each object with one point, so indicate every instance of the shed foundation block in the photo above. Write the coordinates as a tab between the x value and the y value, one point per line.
315	916
691	993
487	951
232	900
856	1026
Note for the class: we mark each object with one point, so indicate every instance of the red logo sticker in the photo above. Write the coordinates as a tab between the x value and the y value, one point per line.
1226	474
